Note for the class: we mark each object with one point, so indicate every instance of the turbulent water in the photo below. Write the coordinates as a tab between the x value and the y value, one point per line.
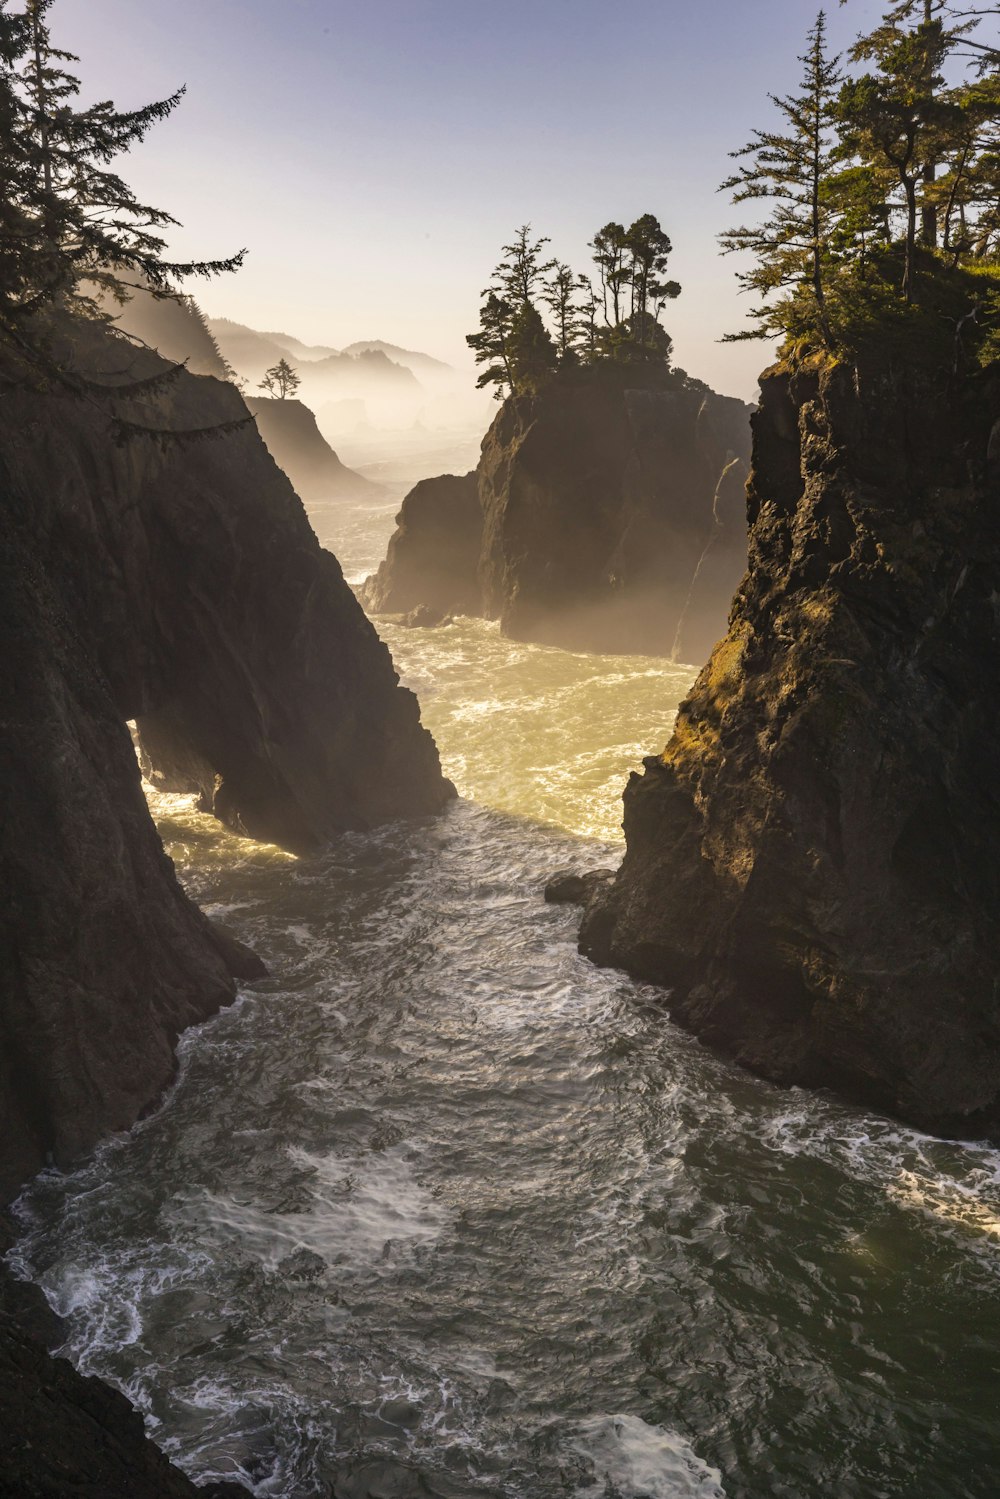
439	1208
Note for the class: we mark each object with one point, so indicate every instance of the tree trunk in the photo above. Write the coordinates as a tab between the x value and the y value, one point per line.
910	188
43	124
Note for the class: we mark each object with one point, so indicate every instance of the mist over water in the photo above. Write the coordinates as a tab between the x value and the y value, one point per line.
440	1192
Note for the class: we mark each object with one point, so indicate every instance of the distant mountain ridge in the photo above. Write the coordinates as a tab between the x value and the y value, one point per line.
411	358
239	341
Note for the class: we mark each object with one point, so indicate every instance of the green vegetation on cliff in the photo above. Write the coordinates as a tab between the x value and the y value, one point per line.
883	186
618	322
70	228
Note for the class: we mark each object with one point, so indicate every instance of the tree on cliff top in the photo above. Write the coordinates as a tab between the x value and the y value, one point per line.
281	380
519	351
902	188
791	168
68	223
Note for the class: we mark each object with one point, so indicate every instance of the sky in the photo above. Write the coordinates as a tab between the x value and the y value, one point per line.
374	156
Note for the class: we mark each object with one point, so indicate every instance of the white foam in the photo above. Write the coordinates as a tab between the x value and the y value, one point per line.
635	1460
358	1211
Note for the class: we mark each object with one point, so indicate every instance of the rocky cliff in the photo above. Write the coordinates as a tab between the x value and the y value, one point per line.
613	517
811	864
601	500
299	448
433	555
179	585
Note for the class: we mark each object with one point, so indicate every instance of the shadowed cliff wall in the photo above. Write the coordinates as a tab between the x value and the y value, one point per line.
812	863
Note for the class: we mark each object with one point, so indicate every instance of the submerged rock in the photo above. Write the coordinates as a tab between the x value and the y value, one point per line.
433	554
812	863
567	888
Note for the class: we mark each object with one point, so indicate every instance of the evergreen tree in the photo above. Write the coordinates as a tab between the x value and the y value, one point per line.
899	117
649	249
522	269
281	380
532	351
559	297
610	250
587	317
68	223
491	344
792	168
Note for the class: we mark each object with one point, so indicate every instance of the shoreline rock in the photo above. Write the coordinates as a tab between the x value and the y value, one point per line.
607	514
810	865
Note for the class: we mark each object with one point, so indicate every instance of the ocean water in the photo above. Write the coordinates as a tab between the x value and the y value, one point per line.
440	1209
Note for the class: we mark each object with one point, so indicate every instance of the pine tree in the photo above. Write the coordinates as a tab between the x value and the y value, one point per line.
791	168
649	248
559	297
281	380
898	117
587	318
491	344
610	250
70	227
532	351
522	269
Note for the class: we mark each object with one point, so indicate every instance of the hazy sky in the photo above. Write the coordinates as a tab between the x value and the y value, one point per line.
373	156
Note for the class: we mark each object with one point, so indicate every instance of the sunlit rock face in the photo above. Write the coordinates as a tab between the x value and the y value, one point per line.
812	863
179	585
614	514
433	555
299	448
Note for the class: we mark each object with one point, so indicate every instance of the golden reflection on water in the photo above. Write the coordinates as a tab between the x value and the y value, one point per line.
547	734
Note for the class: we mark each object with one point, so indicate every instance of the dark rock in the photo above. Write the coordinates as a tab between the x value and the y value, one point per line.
425	618
571	889
811	865
613	513
64	1436
242	961
433	555
183	587
606	514
299	448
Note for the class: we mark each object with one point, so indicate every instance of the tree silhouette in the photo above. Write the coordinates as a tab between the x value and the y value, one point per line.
70	227
281	380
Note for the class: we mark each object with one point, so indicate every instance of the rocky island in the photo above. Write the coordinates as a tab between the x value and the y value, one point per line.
808	862
606	514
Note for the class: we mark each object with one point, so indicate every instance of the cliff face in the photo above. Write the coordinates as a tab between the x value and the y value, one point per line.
612	519
433	555
600	503
182	587
811	865
218	621
299	448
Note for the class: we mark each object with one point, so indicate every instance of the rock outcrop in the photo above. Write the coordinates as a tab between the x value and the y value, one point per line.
613	518
812	863
433	555
299	448
613	514
179	585
68	1436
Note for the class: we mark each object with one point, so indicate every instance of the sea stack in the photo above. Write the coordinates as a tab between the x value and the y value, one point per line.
809	863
